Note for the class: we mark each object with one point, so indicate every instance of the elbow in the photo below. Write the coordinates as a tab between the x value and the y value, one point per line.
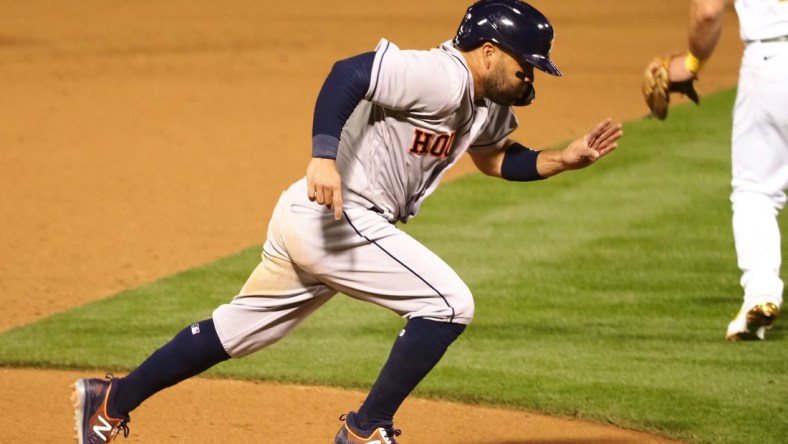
489	169
487	164
708	12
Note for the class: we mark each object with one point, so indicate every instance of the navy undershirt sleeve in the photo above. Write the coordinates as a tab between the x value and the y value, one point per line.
344	88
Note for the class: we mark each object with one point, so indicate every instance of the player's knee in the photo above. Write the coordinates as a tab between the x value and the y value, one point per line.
455	306
750	200
463	306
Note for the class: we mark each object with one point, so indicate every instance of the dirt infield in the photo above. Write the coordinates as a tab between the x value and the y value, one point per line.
138	139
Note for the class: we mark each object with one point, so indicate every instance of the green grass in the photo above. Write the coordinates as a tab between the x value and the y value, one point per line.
601	294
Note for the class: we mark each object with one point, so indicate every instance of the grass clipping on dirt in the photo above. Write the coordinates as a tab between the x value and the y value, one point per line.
601	294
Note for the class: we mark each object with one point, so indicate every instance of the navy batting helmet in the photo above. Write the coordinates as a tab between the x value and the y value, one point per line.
514	25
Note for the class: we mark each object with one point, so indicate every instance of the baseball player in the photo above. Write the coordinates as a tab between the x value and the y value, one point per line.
387	125
759	146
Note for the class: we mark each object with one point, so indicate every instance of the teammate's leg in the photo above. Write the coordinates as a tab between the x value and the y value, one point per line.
760	174
757	241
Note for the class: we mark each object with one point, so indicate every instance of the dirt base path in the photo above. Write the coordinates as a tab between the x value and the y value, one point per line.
201	411
138	139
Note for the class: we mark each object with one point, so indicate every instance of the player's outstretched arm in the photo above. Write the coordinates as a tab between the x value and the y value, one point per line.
324	184
582	152
515	162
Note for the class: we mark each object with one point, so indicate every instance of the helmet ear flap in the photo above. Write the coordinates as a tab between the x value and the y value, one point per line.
528	96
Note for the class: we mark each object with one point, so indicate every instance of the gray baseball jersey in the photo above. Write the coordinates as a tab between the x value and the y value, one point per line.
417	119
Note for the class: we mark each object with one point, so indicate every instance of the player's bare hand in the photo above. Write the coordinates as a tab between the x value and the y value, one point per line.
594	145
324	184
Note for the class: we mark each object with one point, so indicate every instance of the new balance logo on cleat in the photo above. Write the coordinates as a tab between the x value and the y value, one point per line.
100	429
93	424
348	435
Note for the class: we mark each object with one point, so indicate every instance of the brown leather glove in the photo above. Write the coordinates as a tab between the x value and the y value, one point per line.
657	86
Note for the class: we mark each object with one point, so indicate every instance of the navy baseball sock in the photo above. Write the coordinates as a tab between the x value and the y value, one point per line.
192	351
416	351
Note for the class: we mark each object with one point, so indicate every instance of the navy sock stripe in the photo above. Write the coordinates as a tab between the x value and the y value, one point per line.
421	278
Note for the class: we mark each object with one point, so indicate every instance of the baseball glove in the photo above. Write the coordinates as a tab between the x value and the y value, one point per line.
657	86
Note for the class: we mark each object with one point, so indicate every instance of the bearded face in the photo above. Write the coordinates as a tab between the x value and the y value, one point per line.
506	82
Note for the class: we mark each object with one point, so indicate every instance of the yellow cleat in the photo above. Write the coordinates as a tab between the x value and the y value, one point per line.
752	324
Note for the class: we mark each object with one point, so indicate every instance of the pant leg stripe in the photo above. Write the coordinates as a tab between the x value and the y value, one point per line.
403	264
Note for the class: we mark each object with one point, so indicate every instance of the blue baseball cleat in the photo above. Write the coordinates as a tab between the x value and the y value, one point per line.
93	424
348	434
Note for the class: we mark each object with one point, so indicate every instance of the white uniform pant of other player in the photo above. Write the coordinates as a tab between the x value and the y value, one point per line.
760	169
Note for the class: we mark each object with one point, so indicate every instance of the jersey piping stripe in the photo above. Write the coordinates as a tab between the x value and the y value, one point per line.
470	79
377	77
451	320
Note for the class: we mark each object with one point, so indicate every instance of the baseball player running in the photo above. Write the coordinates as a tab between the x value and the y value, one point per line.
387	125
759	146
